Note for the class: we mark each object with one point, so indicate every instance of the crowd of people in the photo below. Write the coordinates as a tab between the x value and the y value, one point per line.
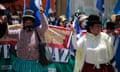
96	49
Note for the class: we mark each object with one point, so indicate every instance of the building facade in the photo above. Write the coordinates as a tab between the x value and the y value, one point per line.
59	6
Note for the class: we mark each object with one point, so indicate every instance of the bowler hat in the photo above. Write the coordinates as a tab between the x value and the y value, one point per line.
93	19
110	25
29	14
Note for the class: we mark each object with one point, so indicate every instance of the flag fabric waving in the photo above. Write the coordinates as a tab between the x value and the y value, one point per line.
35	5
78	29
68	10
48	6
117	55
100	6
117	8
24	6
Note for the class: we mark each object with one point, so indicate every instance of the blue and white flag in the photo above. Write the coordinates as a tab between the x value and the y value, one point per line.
35	5
117	54
117	8
76	25
68	10
48	6
100	6
24	7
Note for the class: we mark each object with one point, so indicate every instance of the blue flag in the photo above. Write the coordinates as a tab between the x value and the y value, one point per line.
99	6
34	7
68	10
78	28
117	8
78	33
48	6
24	6
117	54
72	49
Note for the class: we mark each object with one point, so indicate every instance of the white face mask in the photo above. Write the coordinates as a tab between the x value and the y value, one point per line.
52	18
15	22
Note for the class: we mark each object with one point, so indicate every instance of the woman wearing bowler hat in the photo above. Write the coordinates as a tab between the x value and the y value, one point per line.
28	43
93	50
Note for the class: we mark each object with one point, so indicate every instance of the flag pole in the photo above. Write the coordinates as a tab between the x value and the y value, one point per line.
71	32
24	6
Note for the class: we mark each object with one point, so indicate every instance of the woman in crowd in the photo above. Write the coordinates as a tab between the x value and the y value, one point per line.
62	21
7	44
28	53
93	50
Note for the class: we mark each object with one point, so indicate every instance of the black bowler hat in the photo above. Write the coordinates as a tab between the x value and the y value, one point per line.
93	19
110	25
29	14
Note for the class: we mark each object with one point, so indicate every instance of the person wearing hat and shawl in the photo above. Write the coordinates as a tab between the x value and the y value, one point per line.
82	19
110	30
28	43
93	50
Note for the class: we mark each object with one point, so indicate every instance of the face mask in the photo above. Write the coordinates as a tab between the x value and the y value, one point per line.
15	21
52	19
28	28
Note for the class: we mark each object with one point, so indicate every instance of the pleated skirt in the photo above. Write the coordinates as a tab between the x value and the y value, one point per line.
103	68
21	65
